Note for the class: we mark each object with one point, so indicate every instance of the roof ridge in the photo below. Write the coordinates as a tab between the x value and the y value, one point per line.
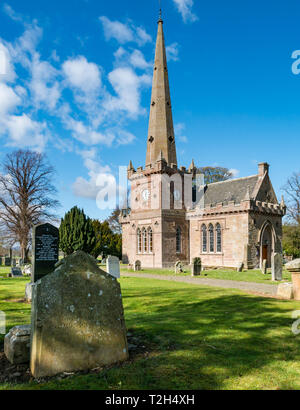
232	180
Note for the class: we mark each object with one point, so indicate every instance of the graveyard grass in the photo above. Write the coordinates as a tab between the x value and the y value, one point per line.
197	338
254	275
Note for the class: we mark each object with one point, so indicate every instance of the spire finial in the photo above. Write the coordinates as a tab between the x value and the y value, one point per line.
160	13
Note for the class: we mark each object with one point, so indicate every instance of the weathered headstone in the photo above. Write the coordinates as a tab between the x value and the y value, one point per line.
113	266
17	344
178	267
137	266
240	267
45	250
277	267
77	319
28	291
294	268
264	267
7	261
16	272
196	267
285	290
14	263
27	270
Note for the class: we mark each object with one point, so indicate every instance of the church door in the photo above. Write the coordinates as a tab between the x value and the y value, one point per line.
265	252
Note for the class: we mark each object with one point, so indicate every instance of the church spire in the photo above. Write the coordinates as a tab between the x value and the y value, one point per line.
161	131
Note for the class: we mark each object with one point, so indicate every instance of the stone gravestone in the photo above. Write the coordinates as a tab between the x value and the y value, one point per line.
137	266
264	267
27	270
113	266
45	250
7	261
294	268
178	267
240	267
196	267
16	272
17	344
77	319
277	267
14	263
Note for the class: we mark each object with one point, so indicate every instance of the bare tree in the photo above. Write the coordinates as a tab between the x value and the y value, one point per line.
26	195
215	174
292	191
113	221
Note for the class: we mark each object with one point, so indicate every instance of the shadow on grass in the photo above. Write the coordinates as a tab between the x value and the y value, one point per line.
219	335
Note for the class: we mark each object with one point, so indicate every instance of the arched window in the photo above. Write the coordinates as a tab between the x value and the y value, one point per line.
219	237
139	241
178	240
144	236
150	240
204	238
211	238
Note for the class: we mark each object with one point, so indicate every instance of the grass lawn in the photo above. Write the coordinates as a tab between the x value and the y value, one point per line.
198	338
246	276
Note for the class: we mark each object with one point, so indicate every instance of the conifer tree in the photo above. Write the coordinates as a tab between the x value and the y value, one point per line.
76	232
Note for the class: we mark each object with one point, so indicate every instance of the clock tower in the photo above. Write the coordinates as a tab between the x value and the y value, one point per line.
154	229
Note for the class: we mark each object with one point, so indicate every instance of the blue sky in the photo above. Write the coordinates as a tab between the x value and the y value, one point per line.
77	83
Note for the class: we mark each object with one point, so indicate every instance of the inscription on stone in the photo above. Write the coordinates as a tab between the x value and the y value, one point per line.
45	250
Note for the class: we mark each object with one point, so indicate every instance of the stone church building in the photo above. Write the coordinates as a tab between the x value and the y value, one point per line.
238	220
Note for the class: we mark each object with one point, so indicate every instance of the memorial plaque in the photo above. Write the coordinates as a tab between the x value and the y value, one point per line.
45	250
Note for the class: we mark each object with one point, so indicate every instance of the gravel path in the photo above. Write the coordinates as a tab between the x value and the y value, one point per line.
251	287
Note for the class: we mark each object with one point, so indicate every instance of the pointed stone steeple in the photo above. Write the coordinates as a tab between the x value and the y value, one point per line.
192	166
282	203
161	131
130	166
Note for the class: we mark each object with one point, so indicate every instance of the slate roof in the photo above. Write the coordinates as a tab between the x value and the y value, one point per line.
230	190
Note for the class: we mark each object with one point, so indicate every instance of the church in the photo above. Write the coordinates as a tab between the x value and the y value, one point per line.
174	216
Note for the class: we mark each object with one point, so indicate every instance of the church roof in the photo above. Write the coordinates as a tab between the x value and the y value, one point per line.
231	190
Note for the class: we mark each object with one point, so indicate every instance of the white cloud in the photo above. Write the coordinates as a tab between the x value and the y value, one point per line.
115	29
127	84
88	188
8	99
44	87
7	72
24	132
137	59
172	52
87	134
82	75
124	33
11	13
235	172
185	9
143	36
179	129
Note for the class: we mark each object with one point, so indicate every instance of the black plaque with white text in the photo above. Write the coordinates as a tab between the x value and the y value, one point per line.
45	250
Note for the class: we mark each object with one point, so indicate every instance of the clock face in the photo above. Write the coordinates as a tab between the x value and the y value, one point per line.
145	195
177	195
